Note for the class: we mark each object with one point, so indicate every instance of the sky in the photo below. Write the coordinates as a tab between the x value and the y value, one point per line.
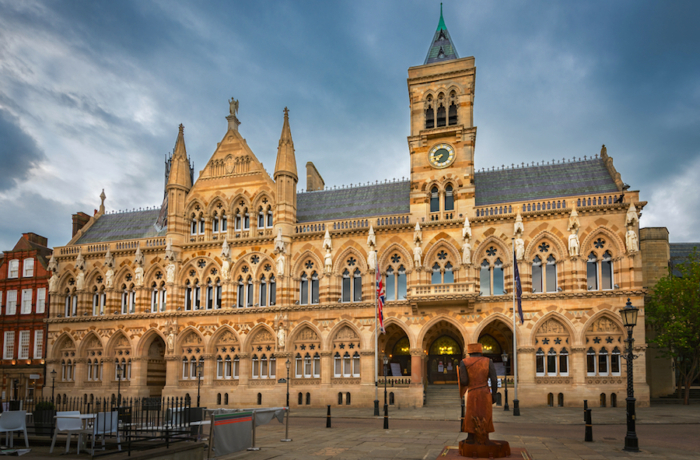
92	93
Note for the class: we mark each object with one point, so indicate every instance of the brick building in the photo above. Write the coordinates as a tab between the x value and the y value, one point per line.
24	299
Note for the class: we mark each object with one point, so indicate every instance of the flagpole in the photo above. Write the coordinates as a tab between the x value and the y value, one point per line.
516	402
376	339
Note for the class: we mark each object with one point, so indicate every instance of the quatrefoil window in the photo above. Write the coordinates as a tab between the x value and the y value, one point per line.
244	269
241	203
351	261
264	200
196	207
213	271
491	251
268	267
396	258
599	243
219	205
255	259
309	265
159	275
544	247
71	281
192	273
99	279
442	255
128	277
201	263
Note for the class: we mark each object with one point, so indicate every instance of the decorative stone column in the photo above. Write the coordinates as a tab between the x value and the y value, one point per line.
367	365
417	358
577	366
326	367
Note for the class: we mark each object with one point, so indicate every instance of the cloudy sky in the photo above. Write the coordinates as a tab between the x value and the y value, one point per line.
92	92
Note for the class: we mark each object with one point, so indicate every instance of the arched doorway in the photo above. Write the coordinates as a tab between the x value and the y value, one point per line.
496	338
155	368
396	345
445	348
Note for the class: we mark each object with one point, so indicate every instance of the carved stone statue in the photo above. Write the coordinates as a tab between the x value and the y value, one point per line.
171	340
280	264
631	240
574	224
417	233
170	273
138	258
80	262
518	229
169	253
466	252
80	281
138	276
417	254
225	250
467	229
281	336
372	260
109	278
328	262
109	259
233	106
519	248
574	243
225	269
371	240
279	243
53	283
631	218
327	241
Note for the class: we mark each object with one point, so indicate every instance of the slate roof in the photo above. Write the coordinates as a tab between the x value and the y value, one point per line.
547	181
441	48
349	203
124	226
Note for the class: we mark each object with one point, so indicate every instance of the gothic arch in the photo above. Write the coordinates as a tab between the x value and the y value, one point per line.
149	275
259	268
61	342
183	335
248	340
306	255
258	197
299	328
531	249
492	240
508	321
617	247
600	314
442	243
63	280
240	196
120	277
211	345
219	197
146	339
190	207
91	277
394	321
568	325
109	346
200	274
343	256
80	351
388	251
429	325
328	342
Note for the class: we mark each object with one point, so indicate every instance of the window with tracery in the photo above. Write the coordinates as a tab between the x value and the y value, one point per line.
604	339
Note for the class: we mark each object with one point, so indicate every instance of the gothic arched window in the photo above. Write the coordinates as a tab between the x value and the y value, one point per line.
537	274
449	199
485	278
434	200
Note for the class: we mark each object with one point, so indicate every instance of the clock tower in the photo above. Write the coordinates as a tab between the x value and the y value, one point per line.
443	135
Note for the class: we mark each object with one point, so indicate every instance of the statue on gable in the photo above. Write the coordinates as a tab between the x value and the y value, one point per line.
417	255
328	262
467	229
519	248
574	243
632	218
170	272
518	229
226	260
138	271
233	106
466	252
280	250
53	283
631	240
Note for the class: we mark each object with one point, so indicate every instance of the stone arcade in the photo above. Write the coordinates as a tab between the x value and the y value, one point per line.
241	273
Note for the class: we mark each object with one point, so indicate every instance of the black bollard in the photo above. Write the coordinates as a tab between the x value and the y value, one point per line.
461	423
328	417
585	408
589	427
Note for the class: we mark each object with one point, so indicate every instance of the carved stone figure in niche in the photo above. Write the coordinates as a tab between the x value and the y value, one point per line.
281	336
631	239
417	255
631	218
171	340
53	283
109	278
170	273
417	233
169	253
372	260
604	325
552	327
574	243
80	281
138	258
371	239
138	276
518	228
519	248
328	262
280	264
279	243
467	229
80	262
574	224
466	252
327	240
226	260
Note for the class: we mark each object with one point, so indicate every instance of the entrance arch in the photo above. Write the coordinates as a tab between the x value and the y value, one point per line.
155	367
497	338
397	346
444	345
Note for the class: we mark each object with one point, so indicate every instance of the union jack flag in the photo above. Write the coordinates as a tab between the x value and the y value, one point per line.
381	297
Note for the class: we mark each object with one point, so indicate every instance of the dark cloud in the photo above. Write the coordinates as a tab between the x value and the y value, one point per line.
19	152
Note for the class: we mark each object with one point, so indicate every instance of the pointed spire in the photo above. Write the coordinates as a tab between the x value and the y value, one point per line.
371	239
180	165
179	150
441	48
102	199
286	161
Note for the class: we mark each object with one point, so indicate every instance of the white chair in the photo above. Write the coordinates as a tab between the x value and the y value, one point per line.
12	421
106	423
68	426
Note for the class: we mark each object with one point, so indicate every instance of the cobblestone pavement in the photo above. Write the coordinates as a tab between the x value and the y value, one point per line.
662	414
411	439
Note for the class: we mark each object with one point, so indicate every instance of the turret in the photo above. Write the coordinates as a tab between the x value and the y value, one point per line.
286	179
179	184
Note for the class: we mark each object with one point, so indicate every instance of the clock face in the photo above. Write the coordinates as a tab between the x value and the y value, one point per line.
441	155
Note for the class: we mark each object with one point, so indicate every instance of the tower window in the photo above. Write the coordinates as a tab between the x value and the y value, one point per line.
434	200
441	116
449	199
453	114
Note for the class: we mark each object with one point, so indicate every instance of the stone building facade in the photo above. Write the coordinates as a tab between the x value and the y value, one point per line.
24	297
242	273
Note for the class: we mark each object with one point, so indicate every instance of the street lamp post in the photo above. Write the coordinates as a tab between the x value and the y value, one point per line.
286	426
200	366
504	357
386	406
629	320
53	383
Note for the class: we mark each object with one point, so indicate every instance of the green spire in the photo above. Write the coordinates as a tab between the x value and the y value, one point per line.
441	49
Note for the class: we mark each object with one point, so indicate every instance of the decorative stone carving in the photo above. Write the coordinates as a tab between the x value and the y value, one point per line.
466	252
279	243
233	107
170	272
264	336
346	333
327	241
307	335
328	262
632	218
417	233
631	240
80	281
372	260
281	337
518	228
574	224
552	326
169	253
371	239
226	260
80	262
138	271
53	265
467	229
280	264
53	283
574	243
417	254
519	248
603	325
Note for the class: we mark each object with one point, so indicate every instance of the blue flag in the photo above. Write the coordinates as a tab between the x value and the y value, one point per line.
518	290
